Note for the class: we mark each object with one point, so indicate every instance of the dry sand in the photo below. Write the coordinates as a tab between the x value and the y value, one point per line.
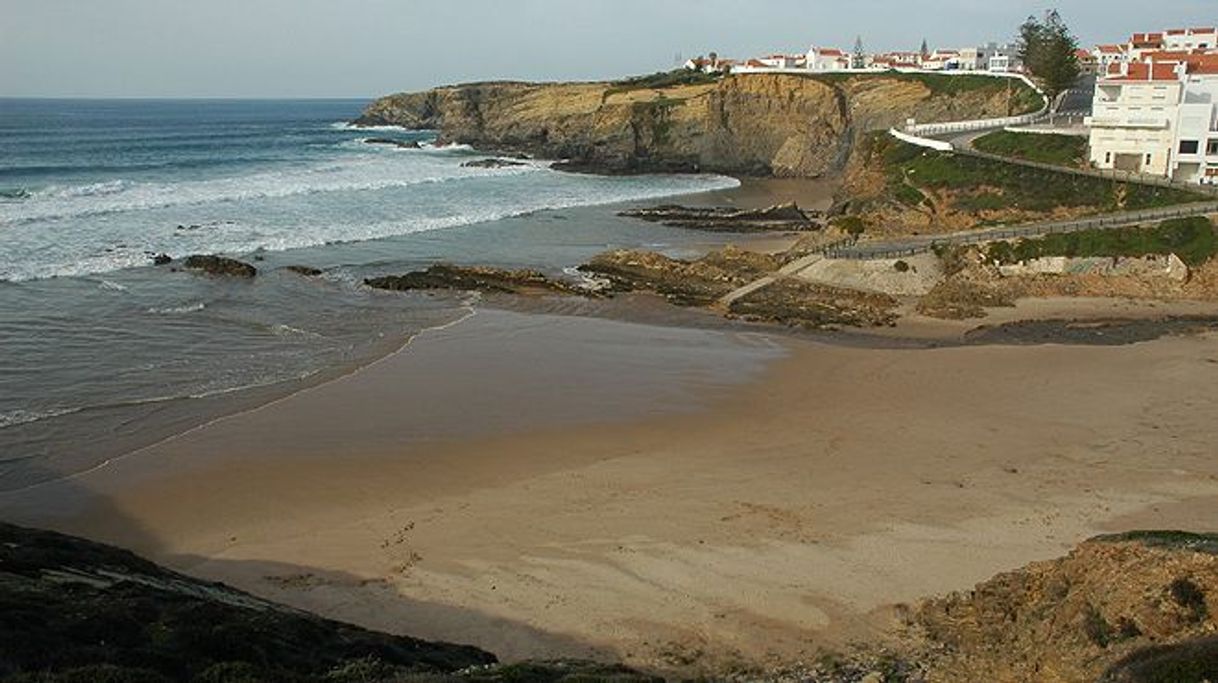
785	516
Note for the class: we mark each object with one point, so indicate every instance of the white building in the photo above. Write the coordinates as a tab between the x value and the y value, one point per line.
1159	118
942	60
1190	39
783	61
827	59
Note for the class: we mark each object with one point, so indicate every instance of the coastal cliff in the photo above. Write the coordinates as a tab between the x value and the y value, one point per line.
786	125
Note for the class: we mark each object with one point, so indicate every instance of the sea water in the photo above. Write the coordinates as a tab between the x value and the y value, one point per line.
101	351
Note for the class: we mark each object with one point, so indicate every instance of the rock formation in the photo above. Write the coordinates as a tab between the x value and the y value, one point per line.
783	217
401	144
219	265
476	279
759	124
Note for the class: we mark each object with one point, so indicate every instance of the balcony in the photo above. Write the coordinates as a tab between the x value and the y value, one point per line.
1151	122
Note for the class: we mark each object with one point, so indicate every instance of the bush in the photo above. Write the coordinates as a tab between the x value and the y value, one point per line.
1189	596
663	79
901	267
852	225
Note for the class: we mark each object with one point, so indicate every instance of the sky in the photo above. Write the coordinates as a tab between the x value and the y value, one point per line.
364	48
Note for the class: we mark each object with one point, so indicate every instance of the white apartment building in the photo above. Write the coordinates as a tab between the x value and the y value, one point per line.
1190	38
1159	119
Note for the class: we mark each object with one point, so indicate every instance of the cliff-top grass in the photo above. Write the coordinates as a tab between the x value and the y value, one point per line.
1024	99
980	185
1046	148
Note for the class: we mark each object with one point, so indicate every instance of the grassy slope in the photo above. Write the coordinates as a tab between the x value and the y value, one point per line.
1024	100
911	170
1059	150
1192	239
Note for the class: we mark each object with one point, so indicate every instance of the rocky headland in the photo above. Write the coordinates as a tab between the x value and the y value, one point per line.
759	124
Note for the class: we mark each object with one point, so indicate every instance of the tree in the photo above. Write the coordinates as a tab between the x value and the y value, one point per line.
925	51
1048	51
860	55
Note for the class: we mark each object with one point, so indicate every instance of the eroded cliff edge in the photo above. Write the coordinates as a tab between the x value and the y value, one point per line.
756	124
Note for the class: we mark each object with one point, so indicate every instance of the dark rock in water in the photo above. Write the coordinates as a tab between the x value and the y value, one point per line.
81	611
403	144
259	257
219	265
782	217
474	278
492	163
307	271
161	259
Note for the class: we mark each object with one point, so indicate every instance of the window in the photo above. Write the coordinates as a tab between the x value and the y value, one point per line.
1107	157
1211	147
1148	158
1189	146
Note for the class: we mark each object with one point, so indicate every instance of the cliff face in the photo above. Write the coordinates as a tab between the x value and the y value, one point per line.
758	124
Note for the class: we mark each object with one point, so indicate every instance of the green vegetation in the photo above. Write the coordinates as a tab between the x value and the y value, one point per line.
662	79
851	225
1049	51
1059	150
1192	239
911	170
1023	99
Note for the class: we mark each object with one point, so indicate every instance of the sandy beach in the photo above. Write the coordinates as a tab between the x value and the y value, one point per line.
692	521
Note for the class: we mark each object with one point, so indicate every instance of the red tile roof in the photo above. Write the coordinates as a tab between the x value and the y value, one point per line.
1142	71
1110	49
831	52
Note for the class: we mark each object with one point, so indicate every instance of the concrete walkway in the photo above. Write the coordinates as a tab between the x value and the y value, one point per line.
789	270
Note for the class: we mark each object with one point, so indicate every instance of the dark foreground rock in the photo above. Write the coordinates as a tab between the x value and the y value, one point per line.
401	144
306	271
492	163
160	259
779	218
476	279
219	265
73	610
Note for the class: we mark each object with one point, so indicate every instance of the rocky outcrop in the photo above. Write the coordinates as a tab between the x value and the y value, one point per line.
1140	606
759	124
400	144
492	163
783	217
219	265
700	282
476	279
80	611
812	305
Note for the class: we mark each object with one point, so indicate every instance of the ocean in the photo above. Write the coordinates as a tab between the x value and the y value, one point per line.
102	352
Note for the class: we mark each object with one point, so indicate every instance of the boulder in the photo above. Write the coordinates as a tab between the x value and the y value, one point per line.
307	271
402	144
160	259
219	265
492	163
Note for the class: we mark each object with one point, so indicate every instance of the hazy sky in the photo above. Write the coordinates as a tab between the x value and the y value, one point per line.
362	48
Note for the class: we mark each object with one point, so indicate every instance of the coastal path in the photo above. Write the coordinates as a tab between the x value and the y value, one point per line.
788	270
907	246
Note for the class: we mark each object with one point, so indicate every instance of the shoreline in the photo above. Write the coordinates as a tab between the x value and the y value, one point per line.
768	524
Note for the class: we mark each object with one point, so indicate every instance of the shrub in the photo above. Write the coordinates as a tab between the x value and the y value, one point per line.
901	267
1189	596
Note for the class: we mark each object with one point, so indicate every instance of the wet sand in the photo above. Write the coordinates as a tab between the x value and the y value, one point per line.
669	510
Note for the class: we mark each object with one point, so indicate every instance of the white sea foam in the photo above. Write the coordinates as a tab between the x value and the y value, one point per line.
178	310
21	416
112	286
352	197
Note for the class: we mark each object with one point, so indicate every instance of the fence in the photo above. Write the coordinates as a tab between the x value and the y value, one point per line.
895	249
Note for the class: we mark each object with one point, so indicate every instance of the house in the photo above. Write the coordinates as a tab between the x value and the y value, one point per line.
827	59
1141	43
711	64
1088	64
1107	55
1158	117
942	60
973	59
1190	38
777	61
